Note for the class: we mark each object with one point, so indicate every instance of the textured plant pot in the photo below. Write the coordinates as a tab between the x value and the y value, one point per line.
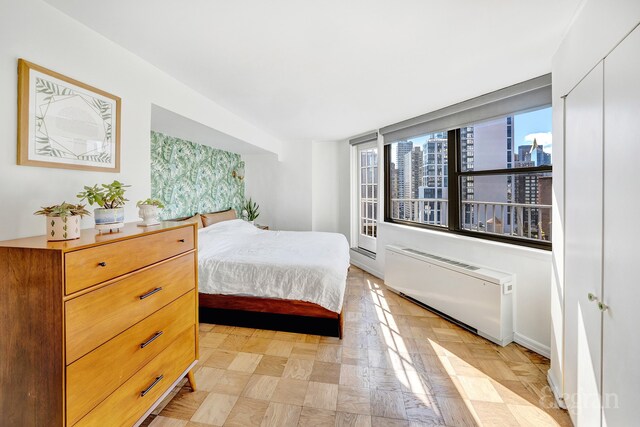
149	215
63	228
108	216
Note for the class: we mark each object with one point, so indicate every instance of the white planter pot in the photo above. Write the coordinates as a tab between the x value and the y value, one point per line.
108	216
63	228
149	215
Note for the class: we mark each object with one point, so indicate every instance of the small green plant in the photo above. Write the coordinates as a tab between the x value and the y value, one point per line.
252	209
108	196
63	210
152	202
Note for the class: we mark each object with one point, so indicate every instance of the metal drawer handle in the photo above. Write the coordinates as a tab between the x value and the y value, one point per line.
181	240
153	384
591	297
148	294
102	264
150	340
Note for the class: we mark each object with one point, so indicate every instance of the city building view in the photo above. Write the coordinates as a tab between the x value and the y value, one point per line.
505	202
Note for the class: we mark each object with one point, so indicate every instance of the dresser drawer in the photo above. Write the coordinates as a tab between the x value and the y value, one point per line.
97	264
96	375
127	404
96	317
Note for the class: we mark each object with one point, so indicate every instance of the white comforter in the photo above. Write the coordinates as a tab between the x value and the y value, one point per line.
236	258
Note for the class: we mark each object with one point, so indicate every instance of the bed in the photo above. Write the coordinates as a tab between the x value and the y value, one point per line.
245	268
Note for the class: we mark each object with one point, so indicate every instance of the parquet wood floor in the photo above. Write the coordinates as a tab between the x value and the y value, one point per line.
398	365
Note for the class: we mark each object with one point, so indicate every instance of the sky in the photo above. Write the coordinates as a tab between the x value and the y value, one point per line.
534	124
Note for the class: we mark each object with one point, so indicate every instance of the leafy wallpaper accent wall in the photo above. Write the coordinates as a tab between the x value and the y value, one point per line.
190	177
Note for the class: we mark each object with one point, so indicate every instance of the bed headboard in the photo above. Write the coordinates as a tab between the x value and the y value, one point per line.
207	219
190	178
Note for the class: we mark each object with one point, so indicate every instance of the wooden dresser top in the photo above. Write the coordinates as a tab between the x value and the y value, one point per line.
90	237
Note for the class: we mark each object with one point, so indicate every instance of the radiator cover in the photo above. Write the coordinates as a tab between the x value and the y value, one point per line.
476	296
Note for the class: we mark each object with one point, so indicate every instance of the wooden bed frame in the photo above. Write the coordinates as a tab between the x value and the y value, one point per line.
268	305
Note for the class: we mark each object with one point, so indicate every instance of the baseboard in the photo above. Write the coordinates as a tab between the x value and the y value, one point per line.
556	391
367	268
364	252
532	345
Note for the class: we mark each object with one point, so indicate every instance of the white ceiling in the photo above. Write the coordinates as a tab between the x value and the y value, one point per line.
329	69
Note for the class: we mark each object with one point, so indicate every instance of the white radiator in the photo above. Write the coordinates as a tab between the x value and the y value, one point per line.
475	296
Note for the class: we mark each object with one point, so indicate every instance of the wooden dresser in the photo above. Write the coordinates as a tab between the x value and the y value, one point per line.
96	331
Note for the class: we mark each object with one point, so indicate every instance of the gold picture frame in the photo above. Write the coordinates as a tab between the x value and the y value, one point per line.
64	123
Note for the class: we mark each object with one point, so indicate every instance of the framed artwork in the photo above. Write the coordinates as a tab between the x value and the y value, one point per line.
63	123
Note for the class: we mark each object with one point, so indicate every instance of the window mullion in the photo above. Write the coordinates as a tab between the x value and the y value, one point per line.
387	183
453	165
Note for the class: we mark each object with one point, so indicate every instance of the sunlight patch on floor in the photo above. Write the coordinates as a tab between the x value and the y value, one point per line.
480	393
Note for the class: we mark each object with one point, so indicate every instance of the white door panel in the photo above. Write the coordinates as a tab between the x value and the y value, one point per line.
368	189
583	248
621	346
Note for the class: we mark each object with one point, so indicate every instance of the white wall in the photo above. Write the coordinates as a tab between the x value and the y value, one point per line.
33	30
330	191
260	173
324	194
596	29
283	188
293	188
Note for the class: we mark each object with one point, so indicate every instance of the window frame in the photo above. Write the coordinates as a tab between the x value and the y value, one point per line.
454	176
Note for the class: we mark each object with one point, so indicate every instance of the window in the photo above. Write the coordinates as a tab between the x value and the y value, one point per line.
418	179
368	196
491	178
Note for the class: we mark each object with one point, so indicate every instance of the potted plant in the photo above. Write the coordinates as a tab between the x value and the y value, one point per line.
251	210
148	211
110	198
63	220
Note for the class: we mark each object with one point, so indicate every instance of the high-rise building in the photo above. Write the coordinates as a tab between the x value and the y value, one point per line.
532	155
510	135
467	151
508	227
395	207
523	158
526	191
412	178
538	155
494	142
434	183
413	163
529	188
545	194
403	147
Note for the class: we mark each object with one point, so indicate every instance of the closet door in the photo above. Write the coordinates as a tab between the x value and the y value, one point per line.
583	248
621	334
